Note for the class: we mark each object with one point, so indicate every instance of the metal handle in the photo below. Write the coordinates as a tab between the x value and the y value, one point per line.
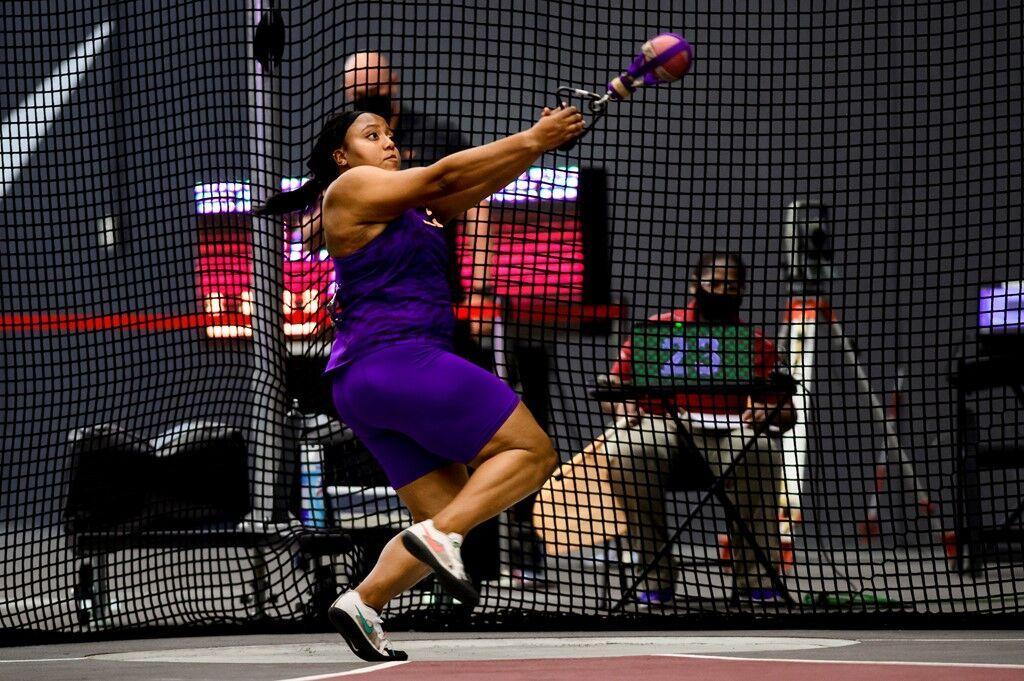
596	104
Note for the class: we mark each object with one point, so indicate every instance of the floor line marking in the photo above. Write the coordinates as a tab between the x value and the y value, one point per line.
45	659
902	663
351	672
942	640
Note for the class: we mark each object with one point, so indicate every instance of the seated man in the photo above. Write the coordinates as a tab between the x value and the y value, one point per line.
643	441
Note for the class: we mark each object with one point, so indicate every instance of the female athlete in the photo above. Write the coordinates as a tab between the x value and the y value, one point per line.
424	413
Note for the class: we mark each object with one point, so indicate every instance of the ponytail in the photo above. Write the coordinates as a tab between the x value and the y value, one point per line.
321	165
293	201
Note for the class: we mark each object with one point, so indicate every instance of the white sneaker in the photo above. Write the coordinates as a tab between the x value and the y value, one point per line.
442	552
362	629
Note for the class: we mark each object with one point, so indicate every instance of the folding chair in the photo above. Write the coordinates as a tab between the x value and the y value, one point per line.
670	358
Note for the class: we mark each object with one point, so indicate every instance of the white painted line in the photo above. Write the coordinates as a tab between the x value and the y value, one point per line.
45	659
25	127
323	652
351	672
941	640
967	665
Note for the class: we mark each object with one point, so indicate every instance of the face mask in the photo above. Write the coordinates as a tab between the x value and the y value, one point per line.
717	306
377	103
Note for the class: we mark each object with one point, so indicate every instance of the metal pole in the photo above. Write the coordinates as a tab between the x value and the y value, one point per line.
801	316
266	424
893	447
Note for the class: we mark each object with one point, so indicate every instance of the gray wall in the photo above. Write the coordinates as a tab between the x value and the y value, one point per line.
906	119
162	109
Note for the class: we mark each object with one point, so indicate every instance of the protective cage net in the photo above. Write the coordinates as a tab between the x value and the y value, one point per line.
171	454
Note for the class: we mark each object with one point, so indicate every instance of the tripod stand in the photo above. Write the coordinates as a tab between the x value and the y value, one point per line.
802	315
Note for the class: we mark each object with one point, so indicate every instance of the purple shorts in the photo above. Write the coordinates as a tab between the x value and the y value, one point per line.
418	408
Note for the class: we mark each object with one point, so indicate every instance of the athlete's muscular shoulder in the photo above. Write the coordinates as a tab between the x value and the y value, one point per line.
370	195
343	234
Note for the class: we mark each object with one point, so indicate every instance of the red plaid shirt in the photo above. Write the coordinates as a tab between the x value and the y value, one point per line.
765	360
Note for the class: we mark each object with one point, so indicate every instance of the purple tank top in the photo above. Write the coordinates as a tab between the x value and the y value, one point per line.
393	289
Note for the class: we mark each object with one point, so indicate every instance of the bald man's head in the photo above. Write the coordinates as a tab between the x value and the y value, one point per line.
367	74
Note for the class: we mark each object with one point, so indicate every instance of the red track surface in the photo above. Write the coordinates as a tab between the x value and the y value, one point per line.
655	668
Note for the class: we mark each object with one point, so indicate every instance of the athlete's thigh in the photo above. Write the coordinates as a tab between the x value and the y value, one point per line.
427	495
520	431
448	405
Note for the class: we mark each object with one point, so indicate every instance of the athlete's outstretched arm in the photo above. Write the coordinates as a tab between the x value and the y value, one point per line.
371	195
452	205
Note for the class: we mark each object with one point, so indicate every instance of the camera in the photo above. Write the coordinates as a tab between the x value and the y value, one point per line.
806	243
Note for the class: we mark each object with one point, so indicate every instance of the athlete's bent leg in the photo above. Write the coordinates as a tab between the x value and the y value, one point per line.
396	569
515	462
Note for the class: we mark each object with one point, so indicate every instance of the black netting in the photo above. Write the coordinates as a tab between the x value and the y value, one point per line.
171	454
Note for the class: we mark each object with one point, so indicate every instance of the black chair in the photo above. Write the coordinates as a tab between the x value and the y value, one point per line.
977	542
187	488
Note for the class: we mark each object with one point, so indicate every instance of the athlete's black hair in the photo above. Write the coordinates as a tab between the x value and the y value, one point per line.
322	168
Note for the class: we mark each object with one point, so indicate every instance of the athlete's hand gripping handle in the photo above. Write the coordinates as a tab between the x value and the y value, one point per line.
558	127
